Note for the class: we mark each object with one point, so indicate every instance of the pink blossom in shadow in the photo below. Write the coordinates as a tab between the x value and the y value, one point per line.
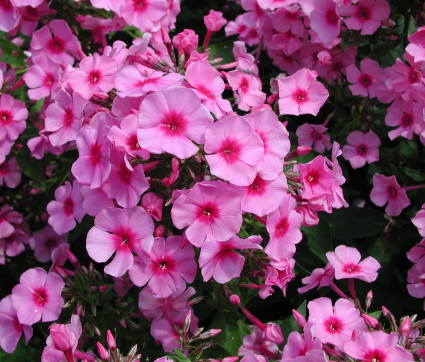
325	20
416	48
123	231
10	327
416	279
276	142
234	150
283	226
335	324
367	81
10	173
219	261
38	296
346	263
95	200
209	208
95	74
167	268
319	277
386	189
255	343
278	273
171	120
361	148
66	208
419	220
45	242
301	93
313	135
377	346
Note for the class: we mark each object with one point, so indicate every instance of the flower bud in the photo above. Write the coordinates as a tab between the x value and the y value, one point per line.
299	318
214	21
103	353
110	340
273	333
371	322
234	299
62	337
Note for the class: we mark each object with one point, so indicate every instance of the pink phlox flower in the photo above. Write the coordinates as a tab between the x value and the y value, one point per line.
246	89
10	173
145	15
386	189
287	42
251	357
325	20
14	244
131	82
22	3
278	273
288	19
319	277
10	16
346	263
419	221
283	225
308	216
234	150
13	114
169	307
209	208
219	261
208	86
303	348
408	116
96	73
122	231
153	205
214	21
64	117
313	135
417	252
126	183
275	4
366	15
377	346
56	41
42	78
9	220
301	93
66	208
38	296
93	166
416	48
246	29
335	324
32	15
10	327
244	61
361	148
95	200
170	120
40	145
45	242
255	343
416	279
186	42
368	81
59	256
125	139
63	338
263	197
337	192
276	142
167	268
100	27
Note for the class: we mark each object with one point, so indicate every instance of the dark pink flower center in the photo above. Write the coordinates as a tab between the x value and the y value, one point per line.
133	142
206	92
95	153
4	168
48	80
225	249
392	191
140	5
50	243
244	85
68	206
164	265
257	187
407	120
175	123
300	96
124	173
56	45
312	177
366	80
282	227
332	17
230	149
94	77
333	325
208	212
5	117
16	325
363	13
6	5
375	355
316	135
68	117
351	268
39	297
361	150
414	76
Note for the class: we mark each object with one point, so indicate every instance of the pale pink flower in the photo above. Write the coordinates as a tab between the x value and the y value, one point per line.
346	263
275	4
10	327
95	74
214	21
408	116
301	93
416	48
416	279
377	346
417	252
278	273
276	142
170	120
10	16
38	296
10	173
153	205
419	220
8	220
313	135
219	261
386	189
45	242
246	89
283	225
255	343
166	268
144	14
319	277
325	20
335	324
234	150
185	42
122	231
361	148
13	114
209	208
367	81
95	200
366	15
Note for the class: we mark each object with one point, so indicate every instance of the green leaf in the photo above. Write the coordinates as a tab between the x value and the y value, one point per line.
11	54
178	356
355	223
31	167
319	239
